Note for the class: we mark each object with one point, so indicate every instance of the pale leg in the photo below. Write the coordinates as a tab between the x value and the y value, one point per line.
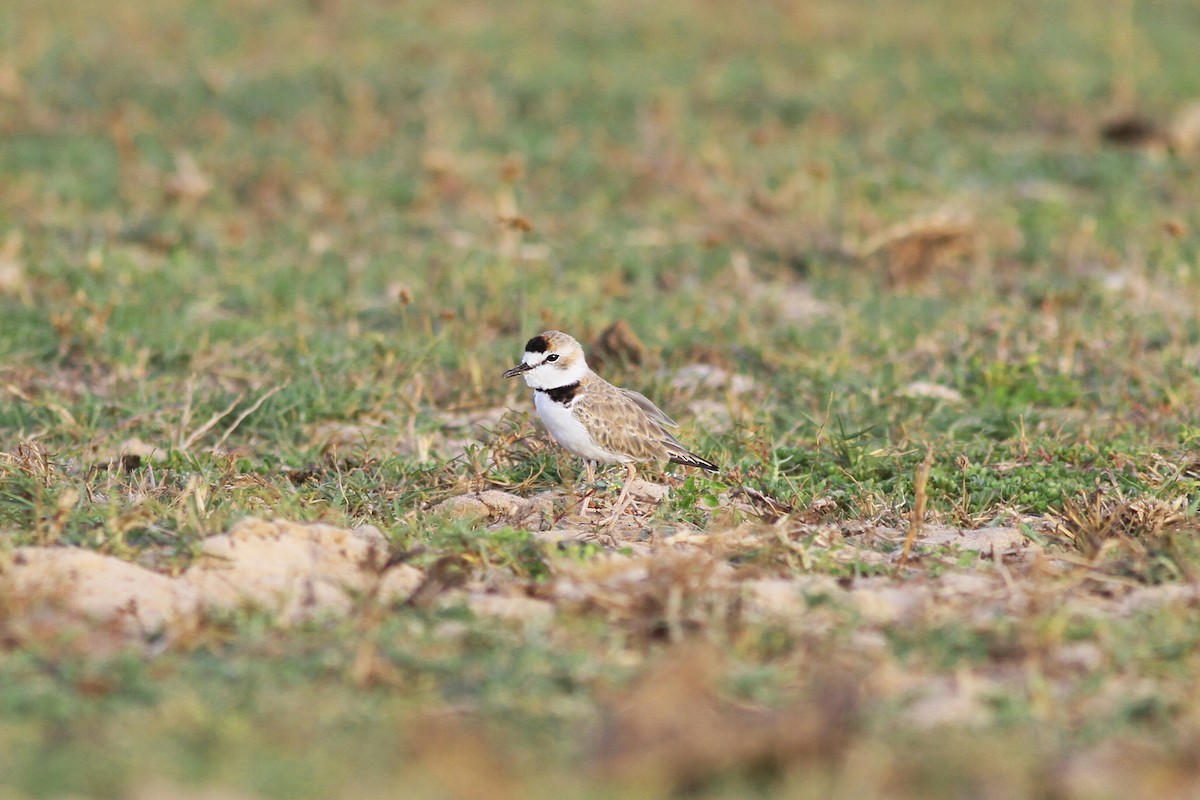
623	500
589	486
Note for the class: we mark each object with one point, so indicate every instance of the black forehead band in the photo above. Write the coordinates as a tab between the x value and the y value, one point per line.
537	344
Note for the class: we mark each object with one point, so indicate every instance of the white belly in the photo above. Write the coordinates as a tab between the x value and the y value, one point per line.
570	433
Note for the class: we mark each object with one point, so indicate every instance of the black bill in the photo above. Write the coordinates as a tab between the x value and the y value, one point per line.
517	370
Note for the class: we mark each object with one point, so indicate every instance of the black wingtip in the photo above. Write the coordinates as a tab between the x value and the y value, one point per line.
693	460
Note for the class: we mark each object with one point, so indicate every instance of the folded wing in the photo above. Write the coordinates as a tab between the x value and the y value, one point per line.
626	422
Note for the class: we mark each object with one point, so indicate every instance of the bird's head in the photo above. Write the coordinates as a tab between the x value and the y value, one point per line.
552	359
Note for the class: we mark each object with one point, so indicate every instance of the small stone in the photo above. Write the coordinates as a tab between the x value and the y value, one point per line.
520	609
789	597
887	604
947	705
1165	594
143	450
932	391
705	376
966	583
557	536
982	539
399	582
463	507
1185	129
773	597
646	490
1082	657
539	510
502	504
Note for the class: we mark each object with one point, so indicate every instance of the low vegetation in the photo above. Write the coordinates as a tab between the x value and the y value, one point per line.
907	273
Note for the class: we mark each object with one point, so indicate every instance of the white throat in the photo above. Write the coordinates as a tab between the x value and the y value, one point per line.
550	376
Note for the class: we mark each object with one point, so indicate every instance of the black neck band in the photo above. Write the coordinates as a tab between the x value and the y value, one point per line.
562	394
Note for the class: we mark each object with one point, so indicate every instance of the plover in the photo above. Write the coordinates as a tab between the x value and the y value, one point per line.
593	419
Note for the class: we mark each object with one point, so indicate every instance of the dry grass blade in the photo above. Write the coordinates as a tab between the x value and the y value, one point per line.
920	498
1091	521
245	414
1146	540
771	509
211	423
32	459
1086	523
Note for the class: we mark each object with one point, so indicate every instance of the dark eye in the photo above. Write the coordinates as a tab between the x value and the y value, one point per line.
552	358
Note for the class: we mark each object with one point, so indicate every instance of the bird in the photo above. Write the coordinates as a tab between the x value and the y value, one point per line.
589	417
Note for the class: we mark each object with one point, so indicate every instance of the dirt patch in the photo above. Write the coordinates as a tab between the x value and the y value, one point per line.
98	587
290	570
295	571
651	579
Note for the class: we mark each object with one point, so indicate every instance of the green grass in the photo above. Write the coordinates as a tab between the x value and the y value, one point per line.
299	331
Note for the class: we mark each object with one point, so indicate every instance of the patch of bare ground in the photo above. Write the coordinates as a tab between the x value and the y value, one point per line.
678	576
690	605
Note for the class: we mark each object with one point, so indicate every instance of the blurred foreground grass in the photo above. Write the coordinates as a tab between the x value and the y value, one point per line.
291	246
